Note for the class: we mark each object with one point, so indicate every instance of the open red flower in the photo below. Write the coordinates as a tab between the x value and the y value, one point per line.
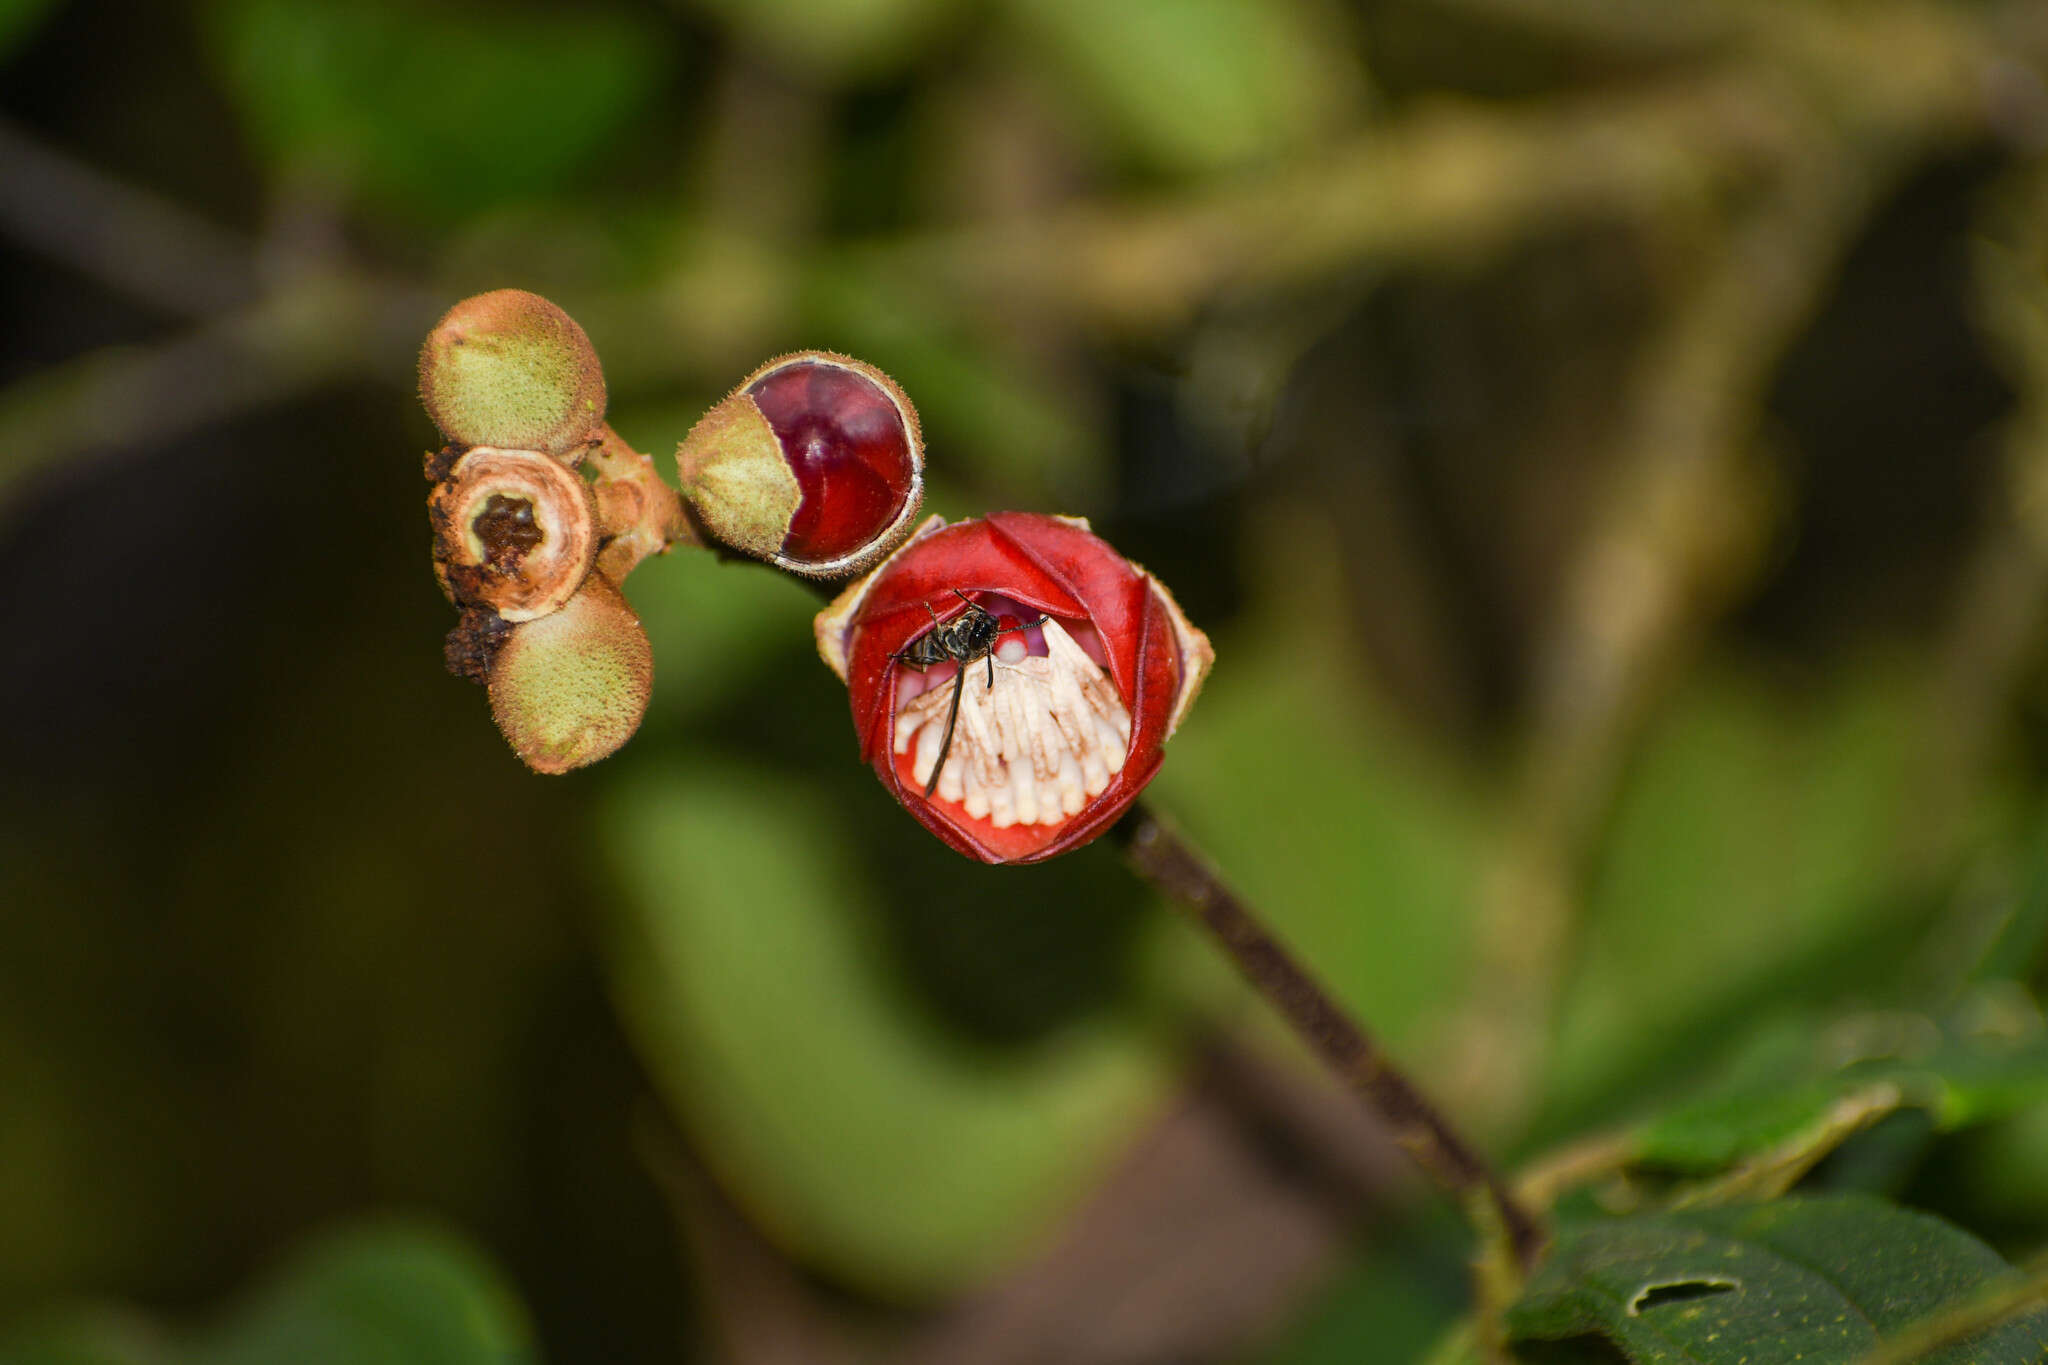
1063	713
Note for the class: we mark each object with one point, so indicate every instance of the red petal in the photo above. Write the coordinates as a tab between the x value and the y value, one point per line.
1050	565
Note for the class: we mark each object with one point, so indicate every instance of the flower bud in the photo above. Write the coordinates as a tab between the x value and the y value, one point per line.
814	463
570	688
1084	668
508	368
513	531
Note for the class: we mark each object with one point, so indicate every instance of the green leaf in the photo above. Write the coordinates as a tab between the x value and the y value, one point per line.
433	108
1400	1302
851	1124
1793	1076
1813	1280
396	1293
1754	855
2015	949
835	40
86	1335
1361	853
1997	1176
1198	85
18	19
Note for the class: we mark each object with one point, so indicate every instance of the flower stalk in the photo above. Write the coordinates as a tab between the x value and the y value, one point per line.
1158	853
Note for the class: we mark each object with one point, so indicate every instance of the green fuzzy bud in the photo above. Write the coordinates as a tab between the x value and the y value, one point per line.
736	476
569	688
510	369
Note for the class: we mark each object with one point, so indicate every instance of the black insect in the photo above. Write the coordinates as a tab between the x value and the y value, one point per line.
968	637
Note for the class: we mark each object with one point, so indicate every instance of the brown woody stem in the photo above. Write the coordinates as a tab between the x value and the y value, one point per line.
638	514
1160	855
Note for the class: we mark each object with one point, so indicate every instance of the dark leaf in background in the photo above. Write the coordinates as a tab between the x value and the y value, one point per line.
430	109
379	1294
18	19
838	1113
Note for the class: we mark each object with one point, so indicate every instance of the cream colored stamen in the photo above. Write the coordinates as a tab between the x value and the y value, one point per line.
1031	750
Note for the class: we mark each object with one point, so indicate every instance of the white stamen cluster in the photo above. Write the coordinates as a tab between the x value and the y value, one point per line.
1034	748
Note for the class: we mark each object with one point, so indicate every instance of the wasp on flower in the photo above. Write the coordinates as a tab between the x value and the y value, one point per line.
969	637
1089	667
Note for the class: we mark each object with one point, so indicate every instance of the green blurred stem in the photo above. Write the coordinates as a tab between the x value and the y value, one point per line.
1163	857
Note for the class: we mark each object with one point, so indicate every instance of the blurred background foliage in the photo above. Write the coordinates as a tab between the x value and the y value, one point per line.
1606	443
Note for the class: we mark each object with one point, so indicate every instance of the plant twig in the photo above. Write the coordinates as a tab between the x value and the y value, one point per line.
123	236
292	341
1996	621
1169	862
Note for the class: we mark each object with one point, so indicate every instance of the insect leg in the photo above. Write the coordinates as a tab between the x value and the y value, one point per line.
946	744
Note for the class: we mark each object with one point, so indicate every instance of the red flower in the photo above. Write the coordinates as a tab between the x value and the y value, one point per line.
1062	718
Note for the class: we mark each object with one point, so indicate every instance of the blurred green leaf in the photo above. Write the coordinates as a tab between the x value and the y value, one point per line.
1198	86
397	1294
2015	947
1794	1075
1757	830
1996	1177
1396	1303
88	1335
18	19
713	625
1360	852
386	1294
433	108
848	1122
835	39
1814	1280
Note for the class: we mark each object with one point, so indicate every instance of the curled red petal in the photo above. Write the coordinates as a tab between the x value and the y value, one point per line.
1051	565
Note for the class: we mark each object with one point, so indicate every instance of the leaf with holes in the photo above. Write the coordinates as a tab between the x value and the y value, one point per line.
1815	1280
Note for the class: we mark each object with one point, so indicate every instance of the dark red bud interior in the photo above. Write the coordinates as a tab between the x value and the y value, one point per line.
508	531
846	443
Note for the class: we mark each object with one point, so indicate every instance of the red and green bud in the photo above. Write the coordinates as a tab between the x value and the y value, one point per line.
1061	723
814	463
